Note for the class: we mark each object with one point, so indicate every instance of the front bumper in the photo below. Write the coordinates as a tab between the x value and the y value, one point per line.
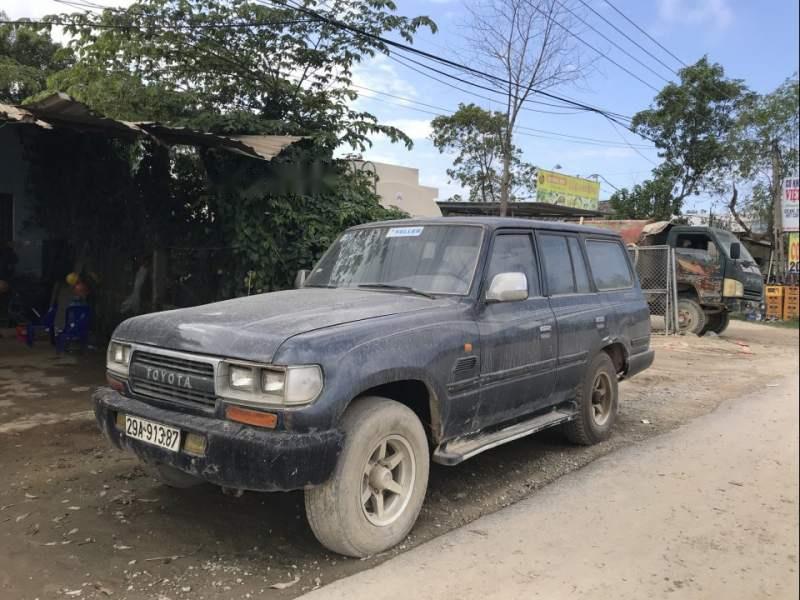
236	456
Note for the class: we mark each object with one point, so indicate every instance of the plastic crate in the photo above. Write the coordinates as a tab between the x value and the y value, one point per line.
774	291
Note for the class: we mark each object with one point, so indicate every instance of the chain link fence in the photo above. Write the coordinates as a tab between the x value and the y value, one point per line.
655	266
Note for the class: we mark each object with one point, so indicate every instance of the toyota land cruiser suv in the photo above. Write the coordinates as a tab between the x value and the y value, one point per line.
410	341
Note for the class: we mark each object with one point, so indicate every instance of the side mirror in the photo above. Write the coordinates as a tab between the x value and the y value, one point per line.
508	287
301	277
736	250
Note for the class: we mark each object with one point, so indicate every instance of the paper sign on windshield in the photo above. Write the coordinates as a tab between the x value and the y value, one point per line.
405	232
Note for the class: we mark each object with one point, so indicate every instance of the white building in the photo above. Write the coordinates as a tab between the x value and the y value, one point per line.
399	186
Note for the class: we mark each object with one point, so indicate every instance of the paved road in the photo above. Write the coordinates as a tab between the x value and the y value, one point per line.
708	511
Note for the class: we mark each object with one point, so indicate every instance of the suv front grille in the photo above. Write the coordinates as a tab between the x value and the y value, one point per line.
172	378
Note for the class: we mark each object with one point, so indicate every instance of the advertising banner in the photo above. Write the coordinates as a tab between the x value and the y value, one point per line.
565	190
790	207
793	253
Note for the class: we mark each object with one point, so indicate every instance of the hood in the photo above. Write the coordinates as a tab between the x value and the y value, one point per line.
254	327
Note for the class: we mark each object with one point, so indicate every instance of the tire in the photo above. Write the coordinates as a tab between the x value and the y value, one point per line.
174	478
597	410
344	512
718	322
691	318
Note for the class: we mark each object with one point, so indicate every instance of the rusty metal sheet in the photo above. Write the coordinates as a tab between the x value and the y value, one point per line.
60	110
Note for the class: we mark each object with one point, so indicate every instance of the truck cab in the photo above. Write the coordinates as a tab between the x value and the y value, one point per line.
715	275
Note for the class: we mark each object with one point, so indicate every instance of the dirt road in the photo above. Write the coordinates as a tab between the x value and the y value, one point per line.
79	519
707	511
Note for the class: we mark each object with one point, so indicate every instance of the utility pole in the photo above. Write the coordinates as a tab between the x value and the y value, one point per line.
777	208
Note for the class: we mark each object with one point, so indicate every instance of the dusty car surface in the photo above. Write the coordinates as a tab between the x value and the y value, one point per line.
410	341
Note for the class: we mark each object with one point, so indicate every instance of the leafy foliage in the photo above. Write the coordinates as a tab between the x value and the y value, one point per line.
475	135
27	57
267	65
652	199
691	125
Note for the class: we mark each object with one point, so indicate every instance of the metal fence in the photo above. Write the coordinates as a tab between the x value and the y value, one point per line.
655	266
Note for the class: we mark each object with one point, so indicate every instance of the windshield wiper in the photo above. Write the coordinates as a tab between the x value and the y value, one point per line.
320	285
402	288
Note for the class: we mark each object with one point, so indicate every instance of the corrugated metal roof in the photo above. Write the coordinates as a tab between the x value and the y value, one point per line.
60	110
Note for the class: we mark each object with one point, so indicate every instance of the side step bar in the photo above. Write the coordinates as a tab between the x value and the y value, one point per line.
458	450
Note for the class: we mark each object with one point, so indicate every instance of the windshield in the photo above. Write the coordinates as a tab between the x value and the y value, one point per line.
726	238
436	259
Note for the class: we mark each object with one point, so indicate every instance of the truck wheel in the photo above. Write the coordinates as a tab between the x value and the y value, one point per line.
374	496
172	477
691	318
598	402
718	322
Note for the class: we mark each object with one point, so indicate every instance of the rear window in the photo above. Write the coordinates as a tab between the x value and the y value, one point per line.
609	265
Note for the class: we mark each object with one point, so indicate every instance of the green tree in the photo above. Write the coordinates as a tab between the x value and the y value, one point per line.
691	124
475	136
652	199
766	147
238	65
27	57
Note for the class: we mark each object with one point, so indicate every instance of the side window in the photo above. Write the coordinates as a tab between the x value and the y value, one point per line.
579	266
698	244
609	265
557	265
513	253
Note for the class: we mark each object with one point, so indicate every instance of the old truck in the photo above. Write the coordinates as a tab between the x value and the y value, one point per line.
715	273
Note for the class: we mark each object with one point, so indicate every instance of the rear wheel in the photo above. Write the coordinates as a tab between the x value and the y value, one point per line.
374	496
691	318
598	402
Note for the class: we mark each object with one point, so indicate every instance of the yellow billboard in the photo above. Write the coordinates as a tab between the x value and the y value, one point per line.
565	190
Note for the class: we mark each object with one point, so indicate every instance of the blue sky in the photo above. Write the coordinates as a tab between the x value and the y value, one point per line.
754	41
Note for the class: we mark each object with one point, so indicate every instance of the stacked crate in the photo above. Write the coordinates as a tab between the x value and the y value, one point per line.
774	295
791	302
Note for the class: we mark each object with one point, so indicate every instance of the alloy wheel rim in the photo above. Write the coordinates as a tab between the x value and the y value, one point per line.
601	399
388	480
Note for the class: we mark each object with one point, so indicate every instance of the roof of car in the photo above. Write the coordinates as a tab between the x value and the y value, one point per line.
498	223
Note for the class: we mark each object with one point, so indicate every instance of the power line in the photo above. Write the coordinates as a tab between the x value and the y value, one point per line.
598	52
430	56
612	42
487	98
650	37
631	145
446	112
629	38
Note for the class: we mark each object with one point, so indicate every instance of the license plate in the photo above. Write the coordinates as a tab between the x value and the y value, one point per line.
156	434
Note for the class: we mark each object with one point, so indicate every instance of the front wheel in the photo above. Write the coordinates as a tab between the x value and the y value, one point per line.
718	322
597	397
374	496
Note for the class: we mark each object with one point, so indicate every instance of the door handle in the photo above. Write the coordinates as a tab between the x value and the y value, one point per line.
545	330
600	322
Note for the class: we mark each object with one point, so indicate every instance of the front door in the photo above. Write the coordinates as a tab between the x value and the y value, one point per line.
518	339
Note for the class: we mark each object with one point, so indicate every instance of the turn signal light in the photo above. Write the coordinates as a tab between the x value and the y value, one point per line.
251	417
120	421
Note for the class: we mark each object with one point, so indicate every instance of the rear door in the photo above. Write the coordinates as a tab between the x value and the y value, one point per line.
581	316
628	319
518	344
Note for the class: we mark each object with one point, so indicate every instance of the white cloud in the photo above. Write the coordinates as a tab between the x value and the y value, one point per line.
381	75
715	13
416	129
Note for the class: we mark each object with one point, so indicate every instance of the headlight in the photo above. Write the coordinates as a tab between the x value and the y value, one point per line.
731	288
118	358
262	385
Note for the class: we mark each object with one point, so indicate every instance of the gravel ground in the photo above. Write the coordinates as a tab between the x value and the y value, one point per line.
80	519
